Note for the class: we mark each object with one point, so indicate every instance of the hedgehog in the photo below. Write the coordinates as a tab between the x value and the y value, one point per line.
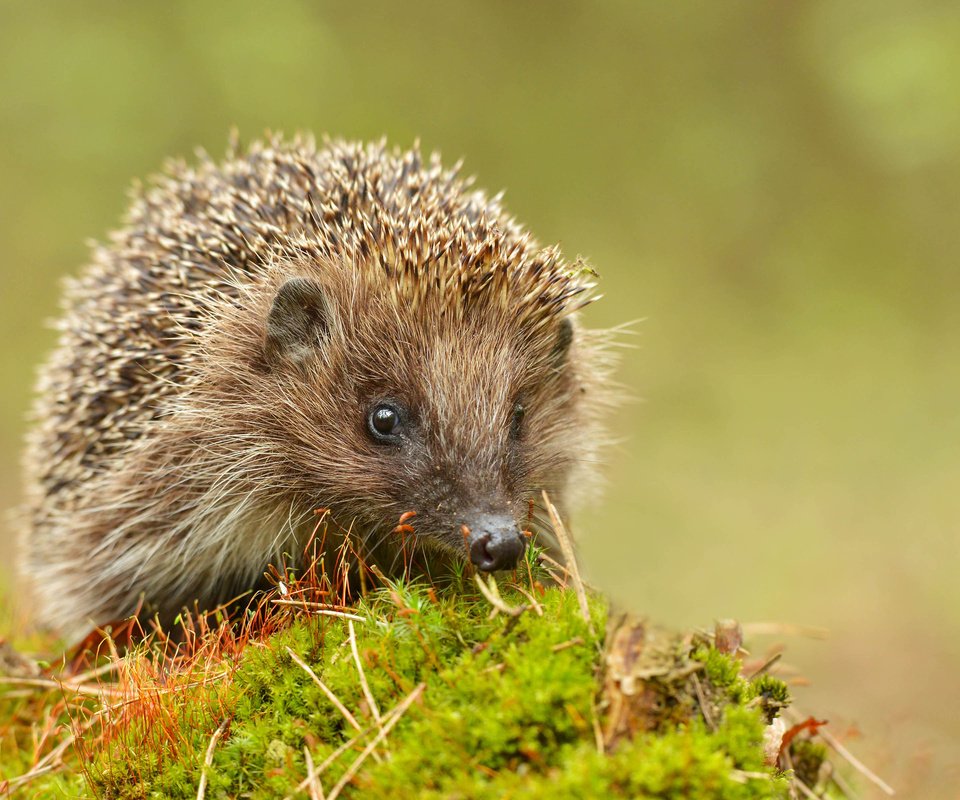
340	326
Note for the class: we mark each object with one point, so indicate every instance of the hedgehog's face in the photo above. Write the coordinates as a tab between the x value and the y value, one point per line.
462	419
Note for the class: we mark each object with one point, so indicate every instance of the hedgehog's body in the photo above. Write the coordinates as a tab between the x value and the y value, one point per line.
292	329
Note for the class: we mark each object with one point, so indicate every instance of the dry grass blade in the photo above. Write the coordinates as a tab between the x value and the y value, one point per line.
326	690
53	760
208	759
841	784
316	773
566	545
363	678
89	675
492	593
847	756
533	601
15	694
858	765
98	691
319	609
558	577
313	780
751	629
804	789
394	718
8	785
742	776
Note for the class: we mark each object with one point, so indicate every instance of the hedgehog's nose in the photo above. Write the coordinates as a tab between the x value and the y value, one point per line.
495	543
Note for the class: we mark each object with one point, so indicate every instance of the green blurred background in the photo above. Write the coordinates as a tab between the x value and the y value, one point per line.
773	187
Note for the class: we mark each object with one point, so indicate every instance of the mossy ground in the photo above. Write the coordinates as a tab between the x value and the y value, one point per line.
504	706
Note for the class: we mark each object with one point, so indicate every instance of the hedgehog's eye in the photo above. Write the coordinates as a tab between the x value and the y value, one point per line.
517	420
384	423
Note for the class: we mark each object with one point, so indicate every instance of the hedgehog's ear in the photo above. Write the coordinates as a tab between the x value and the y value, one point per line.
561	345
298	321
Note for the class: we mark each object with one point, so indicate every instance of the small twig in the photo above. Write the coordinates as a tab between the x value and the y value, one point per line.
672	674
363	678
492	593
702	700
208	759
566	545
313	780
326	690
394	718
791	785
765	666
597	731
569	643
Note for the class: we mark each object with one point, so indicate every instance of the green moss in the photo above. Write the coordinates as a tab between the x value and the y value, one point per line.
721	670
508	709
807	757
770	693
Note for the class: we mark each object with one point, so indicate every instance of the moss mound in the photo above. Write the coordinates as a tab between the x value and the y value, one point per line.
414	694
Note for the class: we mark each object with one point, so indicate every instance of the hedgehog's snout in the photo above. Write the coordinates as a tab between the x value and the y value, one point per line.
495	543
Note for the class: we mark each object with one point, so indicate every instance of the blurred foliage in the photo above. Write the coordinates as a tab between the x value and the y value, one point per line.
772	187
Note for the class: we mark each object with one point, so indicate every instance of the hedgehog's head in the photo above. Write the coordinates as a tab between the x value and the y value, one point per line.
459	395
